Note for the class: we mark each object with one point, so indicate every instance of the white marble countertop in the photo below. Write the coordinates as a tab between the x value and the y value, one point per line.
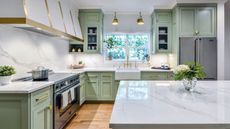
24	87
110	69
154	103
28	87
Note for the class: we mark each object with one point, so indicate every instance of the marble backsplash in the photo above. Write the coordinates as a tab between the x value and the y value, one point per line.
25	50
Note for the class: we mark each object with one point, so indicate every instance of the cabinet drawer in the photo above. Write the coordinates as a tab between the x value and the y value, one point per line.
93	77
107	77
154	76
40	97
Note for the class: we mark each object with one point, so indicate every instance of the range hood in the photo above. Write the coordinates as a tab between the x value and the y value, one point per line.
49	17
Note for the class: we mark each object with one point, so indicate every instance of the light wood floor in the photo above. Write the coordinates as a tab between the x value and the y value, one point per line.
92	116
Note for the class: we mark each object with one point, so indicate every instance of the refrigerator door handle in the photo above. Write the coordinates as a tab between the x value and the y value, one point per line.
198	51
195	50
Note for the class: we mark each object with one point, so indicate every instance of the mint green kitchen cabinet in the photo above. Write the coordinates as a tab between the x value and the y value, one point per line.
187	21
116	86
26	111
156	75
91	21
106	87
206	21
197	21
100	86
82	88
92	86
162	31
41	109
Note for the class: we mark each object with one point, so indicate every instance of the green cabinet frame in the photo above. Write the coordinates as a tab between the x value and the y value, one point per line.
162	18
27	111
92	18
197	21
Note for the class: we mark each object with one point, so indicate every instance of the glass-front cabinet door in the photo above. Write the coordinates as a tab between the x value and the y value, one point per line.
92	39
163	40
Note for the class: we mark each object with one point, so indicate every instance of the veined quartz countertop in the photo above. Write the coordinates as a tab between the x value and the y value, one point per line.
166	103
28	87
110	69
24	87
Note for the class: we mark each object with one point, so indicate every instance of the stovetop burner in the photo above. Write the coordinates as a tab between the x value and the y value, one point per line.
55	77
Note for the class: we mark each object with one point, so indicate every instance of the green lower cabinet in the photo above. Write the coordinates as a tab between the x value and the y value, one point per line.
156	76
100	86
14	111
92	86
41	109
106	86
26	111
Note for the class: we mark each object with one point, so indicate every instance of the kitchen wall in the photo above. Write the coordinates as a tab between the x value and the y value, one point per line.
227	40
127	23
26	50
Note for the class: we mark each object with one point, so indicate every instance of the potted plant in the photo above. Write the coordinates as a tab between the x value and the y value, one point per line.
110	42
189	74
6	73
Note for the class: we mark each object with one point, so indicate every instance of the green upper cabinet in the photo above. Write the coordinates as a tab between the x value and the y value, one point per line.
162	31
91	21
206	21
197	21
187	21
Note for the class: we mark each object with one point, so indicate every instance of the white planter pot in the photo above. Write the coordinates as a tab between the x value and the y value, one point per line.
4	80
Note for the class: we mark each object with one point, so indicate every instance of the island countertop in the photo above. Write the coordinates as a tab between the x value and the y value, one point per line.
149	104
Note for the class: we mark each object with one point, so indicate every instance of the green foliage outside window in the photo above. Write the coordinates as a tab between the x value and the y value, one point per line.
134	45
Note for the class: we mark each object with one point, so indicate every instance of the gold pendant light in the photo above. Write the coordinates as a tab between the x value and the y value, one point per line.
140	20
115	20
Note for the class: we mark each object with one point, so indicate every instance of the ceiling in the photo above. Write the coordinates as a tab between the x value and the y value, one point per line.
132	6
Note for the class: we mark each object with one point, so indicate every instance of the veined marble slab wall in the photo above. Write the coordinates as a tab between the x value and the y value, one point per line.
26	50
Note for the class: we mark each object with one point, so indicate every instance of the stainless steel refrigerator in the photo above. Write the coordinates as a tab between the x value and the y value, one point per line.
202	51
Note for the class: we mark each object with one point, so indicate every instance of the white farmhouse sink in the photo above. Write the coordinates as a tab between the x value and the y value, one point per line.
127	74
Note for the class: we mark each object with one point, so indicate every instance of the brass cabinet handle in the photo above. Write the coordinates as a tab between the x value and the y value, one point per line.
49	107
197	32
42	98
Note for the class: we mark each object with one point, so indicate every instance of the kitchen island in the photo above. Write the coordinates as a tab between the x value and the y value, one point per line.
166	105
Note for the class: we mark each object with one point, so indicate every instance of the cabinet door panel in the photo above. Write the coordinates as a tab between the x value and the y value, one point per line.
55	15
206	21
92	91
187	21
37	11
106	90
41	118
164	17
154	76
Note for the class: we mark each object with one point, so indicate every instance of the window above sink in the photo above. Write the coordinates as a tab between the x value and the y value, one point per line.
135	46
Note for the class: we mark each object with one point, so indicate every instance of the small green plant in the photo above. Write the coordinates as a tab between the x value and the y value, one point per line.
189	71
80	62
110	42
7	70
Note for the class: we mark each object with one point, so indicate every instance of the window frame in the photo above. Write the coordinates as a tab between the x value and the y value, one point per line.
147	46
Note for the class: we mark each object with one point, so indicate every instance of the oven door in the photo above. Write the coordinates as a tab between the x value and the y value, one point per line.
63	115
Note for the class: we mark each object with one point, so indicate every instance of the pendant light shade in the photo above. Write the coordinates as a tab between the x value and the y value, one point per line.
115	20
140	20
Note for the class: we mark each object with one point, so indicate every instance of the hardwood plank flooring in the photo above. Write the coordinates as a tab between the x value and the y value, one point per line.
92	116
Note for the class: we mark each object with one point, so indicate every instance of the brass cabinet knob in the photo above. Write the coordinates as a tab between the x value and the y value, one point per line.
49	107
197	32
